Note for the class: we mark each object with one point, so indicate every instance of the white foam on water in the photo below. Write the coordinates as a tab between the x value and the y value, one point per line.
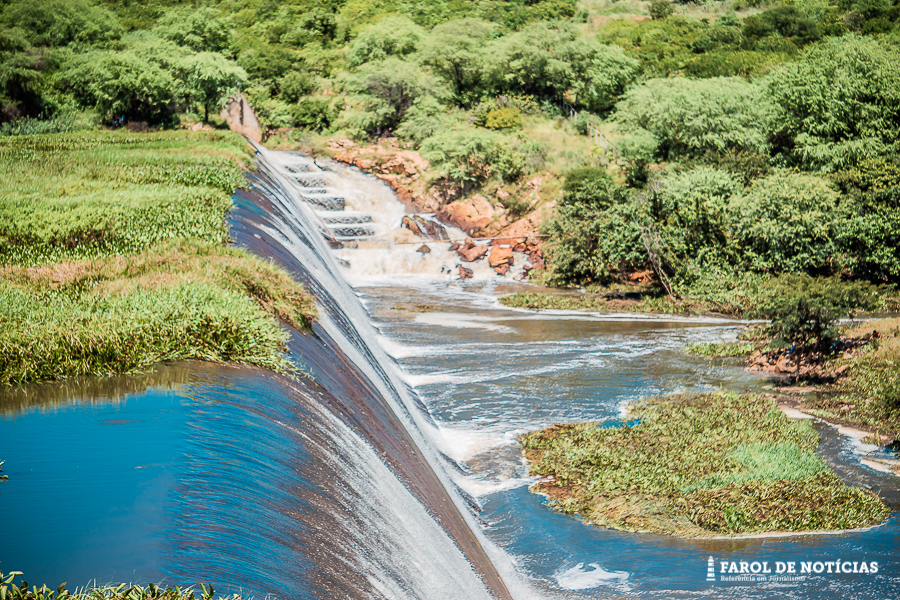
580	577
478	487
396	349
461	444
460	321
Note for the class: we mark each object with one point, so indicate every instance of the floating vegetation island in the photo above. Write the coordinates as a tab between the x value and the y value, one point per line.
698	466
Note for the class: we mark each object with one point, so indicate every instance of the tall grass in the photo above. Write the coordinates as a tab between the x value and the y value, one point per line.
112	258
92	194
175	301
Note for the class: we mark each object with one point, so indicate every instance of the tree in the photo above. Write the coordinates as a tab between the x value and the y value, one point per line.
121	83
596	231
805	311
200	30
392	36
692	117
839	104
550	58
786	223
387	89
62	22
455	50
210	78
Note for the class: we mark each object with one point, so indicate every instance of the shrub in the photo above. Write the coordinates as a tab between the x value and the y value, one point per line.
786	222
691	117
462	153
427	117
313	113
660	9
839	104
295	85
392	36
507	117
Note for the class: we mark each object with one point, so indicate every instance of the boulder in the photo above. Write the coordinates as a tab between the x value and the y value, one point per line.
500	255
464	272
241	118
468	214
785	364
502	269
455	246
424	249
471	251
411	224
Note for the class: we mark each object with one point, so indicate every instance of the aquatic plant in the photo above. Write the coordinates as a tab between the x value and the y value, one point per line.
9	590
721	349
696	466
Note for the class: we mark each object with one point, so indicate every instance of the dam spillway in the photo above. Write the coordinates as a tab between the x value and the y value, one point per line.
393	471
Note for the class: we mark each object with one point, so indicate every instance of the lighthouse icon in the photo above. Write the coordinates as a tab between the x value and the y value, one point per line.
711	569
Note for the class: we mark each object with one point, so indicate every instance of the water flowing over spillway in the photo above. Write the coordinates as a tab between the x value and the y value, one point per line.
393	471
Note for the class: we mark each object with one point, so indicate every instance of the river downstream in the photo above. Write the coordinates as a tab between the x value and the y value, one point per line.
394	472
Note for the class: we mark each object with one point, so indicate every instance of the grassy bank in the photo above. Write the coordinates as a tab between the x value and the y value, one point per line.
867	394
113	257
697	466
102	193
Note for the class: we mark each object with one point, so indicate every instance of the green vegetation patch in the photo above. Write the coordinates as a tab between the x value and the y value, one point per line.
538	301
185	300
12	590
721	350
92	194
697	466
869	393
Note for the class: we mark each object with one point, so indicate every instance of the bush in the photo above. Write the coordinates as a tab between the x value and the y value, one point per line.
660	9
463	153
312	113
691	117
427	117
596	231
294	86
837	105
785	223
507	117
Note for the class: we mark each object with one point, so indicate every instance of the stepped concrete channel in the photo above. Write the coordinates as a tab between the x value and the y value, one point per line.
314	184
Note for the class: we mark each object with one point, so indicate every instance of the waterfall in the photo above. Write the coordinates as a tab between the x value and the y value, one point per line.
413	531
